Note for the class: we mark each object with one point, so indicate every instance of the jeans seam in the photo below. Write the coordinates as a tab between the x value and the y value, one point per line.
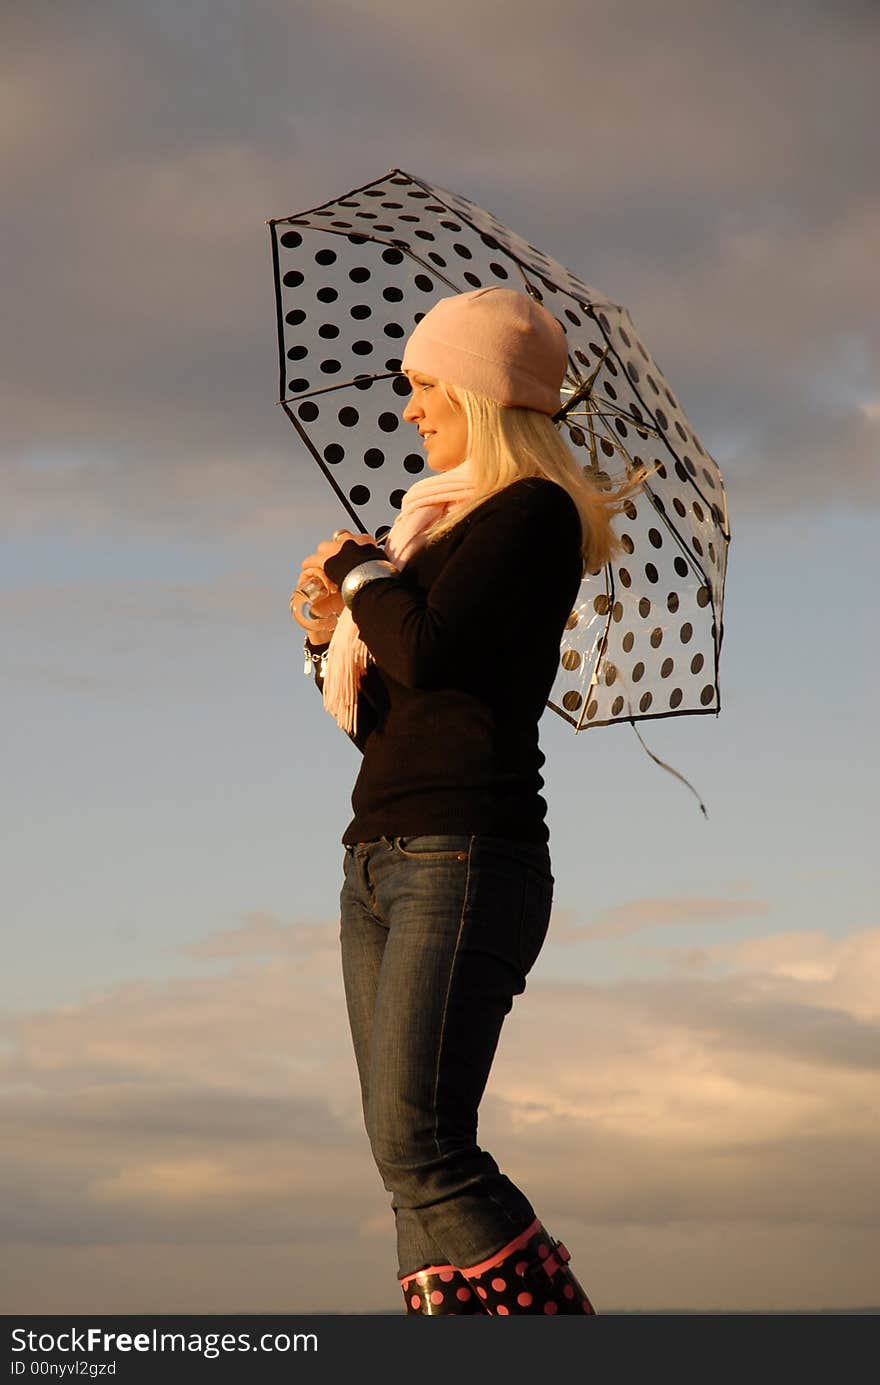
442	1038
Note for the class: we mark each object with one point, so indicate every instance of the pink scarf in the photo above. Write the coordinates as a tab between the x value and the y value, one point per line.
347	657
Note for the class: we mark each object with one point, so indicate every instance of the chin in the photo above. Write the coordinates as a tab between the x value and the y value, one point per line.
444	463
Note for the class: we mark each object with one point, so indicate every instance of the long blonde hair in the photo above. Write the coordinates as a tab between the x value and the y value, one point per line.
507	443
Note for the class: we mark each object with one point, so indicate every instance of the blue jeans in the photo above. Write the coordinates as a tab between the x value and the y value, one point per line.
438	934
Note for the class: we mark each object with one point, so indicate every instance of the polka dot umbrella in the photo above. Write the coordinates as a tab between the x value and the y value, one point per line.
355	275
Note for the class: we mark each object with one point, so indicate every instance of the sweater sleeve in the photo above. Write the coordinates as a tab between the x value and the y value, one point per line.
520	548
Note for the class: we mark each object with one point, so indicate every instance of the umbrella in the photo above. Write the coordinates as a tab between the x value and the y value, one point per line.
352	278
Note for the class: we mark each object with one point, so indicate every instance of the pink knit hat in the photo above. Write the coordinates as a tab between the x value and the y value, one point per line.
495	342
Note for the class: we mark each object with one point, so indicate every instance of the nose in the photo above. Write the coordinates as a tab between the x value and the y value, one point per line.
411	410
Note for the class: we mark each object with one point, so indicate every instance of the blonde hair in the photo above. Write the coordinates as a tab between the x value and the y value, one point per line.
506	444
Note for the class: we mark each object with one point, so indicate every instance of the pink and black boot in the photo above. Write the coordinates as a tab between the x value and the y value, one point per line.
439	1290
529	1275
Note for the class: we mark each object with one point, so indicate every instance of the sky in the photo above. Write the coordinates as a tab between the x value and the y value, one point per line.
688	1090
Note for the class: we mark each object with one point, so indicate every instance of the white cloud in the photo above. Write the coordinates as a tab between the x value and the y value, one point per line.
224	1110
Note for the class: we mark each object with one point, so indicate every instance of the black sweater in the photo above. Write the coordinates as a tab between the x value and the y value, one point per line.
466	647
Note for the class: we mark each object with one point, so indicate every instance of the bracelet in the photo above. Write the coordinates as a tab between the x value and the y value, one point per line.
317	661
364	573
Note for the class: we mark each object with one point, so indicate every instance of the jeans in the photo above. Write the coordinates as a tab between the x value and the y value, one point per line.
438	934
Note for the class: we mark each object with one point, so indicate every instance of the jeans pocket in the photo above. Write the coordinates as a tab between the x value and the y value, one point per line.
535	919
434	847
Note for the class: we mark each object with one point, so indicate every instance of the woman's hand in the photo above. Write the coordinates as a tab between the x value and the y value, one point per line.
326	609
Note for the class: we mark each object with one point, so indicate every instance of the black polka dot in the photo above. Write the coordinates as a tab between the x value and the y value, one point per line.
394	329
672	601
592	709
348	416
362	348
681	567
675	697
655	538
359	275
617	706
413	463
374	457
292	279
628	641
686	633
703	596
572	701
645	701
638	672
389	422
291	240
666	668
297	353
697	663
333	453
422	282
327	295
308	412
707	694
325	257
331	367
359	495
392	257
601	604
396	498
393	295
297	386
624	576
361	311
294	317
651	573
656	637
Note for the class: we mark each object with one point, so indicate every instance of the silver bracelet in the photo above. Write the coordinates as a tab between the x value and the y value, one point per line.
364	573
314	661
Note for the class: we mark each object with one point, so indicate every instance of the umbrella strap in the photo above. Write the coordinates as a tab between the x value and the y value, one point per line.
663	765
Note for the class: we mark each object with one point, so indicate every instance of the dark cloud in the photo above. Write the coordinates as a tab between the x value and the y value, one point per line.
713	170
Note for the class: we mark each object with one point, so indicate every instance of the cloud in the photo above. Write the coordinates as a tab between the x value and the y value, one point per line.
638	914
223	1111
142	336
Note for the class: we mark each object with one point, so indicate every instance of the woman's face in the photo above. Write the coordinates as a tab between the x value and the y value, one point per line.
442	425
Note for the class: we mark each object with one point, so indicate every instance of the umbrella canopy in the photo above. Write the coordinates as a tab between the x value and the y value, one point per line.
353	277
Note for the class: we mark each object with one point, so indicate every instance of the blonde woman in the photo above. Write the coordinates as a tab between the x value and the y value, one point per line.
436	656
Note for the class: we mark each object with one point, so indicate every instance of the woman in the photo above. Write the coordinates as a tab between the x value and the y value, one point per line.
437	657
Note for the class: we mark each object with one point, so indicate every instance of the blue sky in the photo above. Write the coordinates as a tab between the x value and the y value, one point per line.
177	1071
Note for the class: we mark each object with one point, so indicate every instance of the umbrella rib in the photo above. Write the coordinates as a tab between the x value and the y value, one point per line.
321	463
341	385
333	201
662	435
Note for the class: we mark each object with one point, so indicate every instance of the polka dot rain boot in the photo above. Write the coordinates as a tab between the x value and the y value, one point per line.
439	1290
529	1275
